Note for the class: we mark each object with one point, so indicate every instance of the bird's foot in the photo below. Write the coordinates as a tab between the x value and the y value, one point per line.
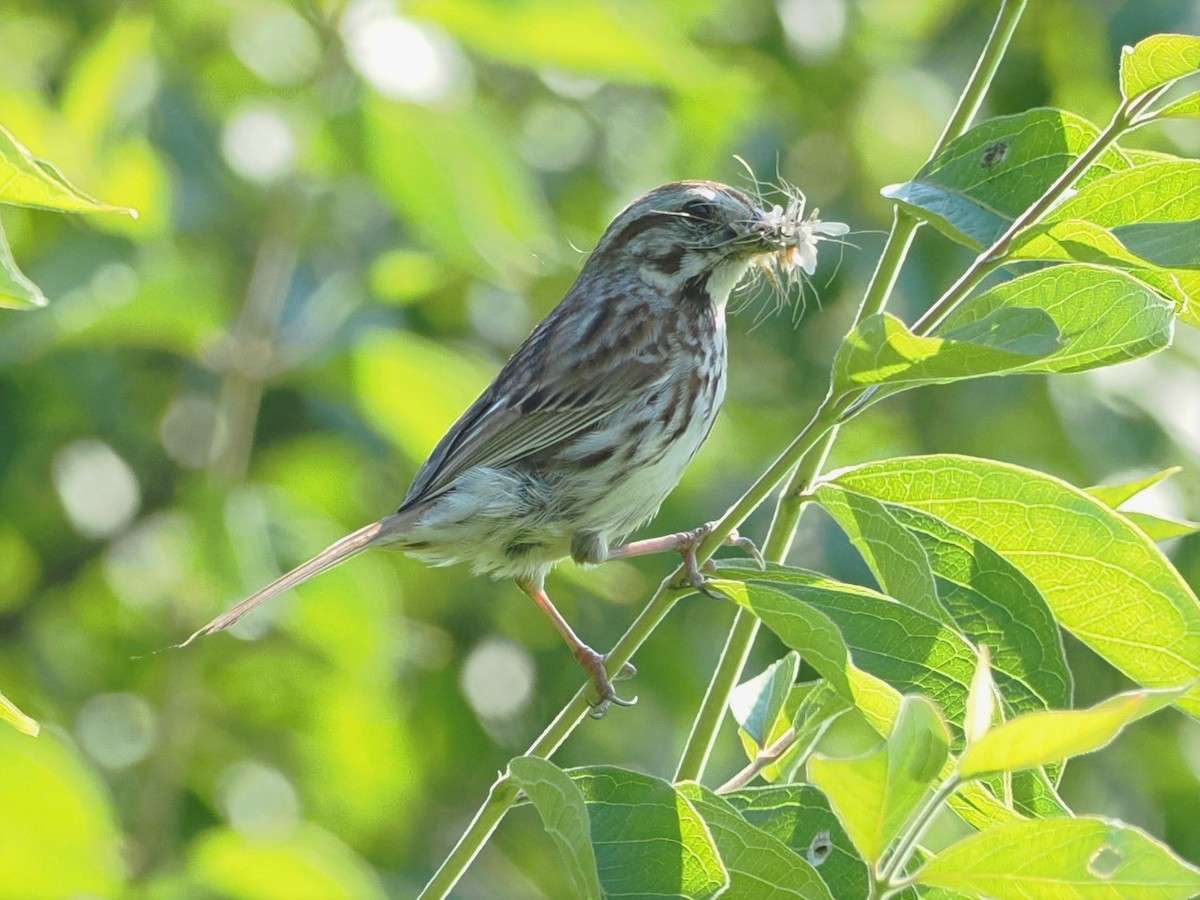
692	573
594	664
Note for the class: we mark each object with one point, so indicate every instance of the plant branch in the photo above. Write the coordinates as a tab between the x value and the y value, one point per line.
807	463
994	255
912	834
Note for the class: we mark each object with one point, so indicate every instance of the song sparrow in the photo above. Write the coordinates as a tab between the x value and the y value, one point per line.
593	420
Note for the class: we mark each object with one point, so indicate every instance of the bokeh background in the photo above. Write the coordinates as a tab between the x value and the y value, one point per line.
350	215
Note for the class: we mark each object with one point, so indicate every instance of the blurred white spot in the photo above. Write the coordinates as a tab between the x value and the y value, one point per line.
402	59
147	566
275	43
499	316
187	430
114	284
814	28
497	678
574	87
96	487
555	137
116	730
258	800
258	144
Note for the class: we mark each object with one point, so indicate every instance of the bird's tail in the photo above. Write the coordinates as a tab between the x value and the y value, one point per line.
351	545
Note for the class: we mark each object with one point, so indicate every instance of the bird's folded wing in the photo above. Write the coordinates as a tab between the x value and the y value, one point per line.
501	430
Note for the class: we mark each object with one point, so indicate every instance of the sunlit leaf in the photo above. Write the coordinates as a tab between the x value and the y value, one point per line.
994	604
25	181
759	864
16	291
1104	316
1040	738
895	557
1153	210
1157	61
1158	528
908	650
981	700
975	188
881	350
17	719
1185	108
1084	858
564	814
1116	495
1077	240
756	703
799	815
647	837
1104	579
875	794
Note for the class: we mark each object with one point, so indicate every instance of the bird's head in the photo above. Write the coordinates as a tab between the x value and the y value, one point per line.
706	235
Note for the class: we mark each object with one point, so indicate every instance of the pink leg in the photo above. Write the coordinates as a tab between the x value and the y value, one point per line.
591	661
684	543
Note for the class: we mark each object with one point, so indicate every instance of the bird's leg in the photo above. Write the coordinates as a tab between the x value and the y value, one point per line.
592	662
685	543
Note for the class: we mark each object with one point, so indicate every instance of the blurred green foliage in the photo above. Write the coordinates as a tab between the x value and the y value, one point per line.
349	216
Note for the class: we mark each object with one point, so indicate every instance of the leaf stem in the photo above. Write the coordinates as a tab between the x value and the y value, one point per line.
911	835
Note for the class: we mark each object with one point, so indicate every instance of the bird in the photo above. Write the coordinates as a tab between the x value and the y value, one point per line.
593	420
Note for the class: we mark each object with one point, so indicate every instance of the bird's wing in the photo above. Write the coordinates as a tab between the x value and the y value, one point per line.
501	428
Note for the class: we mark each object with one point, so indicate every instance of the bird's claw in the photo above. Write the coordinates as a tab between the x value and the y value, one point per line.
606	695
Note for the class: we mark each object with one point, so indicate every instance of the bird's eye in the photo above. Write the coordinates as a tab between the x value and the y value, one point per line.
701	209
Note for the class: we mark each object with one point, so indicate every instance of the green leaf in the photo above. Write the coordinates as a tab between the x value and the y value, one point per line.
981	700
61	832
564	814
459	185
1157	61
303	862
1081	858
978	185
994	604
16	291
648	838
881	349
1116	495
799	815
1159	529
1077	240
1104	317
1105	580
759	864
1185	108
1152	210
17	719
894	556
757	703
25	181
1040	738
908	650
875	794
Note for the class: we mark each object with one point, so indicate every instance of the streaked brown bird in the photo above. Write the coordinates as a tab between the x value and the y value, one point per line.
593	420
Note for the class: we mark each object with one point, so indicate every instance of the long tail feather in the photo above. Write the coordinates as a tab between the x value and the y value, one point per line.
336	553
